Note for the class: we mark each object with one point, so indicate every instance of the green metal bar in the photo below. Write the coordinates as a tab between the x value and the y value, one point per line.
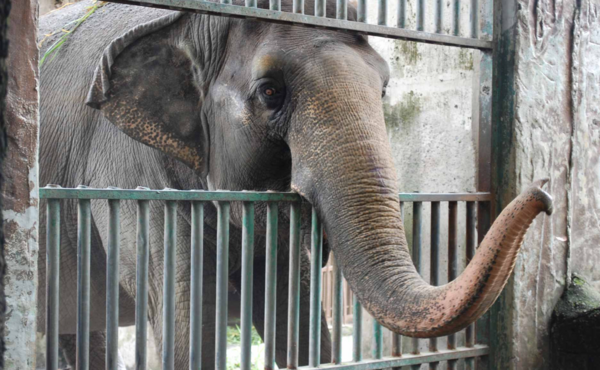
420	15
401	14
336	349
452	263
271	286
141	300
205	7
250	3
382	12
247	277
222	284
409	359
362	11
320	8
197	241
357	330
474	18
439	6
112	286
416	256
434	264
377	340
470	252
232	196
275	5
168	194
456	18
294	288
397	338
52	281
170	242
341	9
298	6
316	261
83	283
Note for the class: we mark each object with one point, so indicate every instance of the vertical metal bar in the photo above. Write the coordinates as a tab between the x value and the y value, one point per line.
474	18
456	17
250	3
470	252
439	6
382	13
401	14
170	244
247	277
420	15
294	287
435	263
83	283
320	9
141	301
337	313
298	6
357	330
416	256
196	285
52	281
222	284
377	340
316	261
362	11
341	9
452	263
271	285
397	338
226	2
112	285
275	5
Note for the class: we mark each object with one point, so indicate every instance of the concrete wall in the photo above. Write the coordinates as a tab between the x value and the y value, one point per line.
20	190
547	124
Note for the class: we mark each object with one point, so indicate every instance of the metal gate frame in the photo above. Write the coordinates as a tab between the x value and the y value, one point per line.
479	216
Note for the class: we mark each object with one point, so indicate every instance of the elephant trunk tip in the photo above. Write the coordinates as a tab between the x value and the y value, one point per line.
543	197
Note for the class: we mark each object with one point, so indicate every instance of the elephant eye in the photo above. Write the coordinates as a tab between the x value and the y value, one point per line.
271	96
269	91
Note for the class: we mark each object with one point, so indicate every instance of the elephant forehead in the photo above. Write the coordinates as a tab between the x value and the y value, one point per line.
266	63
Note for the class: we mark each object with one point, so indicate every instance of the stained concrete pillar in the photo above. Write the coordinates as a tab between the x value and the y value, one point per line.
546	124
20	191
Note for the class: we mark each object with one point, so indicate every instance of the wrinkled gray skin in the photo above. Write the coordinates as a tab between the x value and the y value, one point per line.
239	131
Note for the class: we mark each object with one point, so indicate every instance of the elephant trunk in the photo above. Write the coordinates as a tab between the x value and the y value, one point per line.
342	164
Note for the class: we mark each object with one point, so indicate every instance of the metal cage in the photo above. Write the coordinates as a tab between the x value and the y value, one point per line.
479	212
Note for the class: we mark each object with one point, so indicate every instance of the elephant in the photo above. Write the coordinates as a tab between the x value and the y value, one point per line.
165	99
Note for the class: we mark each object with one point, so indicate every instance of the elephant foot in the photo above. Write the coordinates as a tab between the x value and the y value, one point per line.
68	344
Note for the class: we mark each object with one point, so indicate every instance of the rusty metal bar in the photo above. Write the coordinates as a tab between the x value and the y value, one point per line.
316	263
141	284
222	284
247	277
337	313
170	245
470	252
271	285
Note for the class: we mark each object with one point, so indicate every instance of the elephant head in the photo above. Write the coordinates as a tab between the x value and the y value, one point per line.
261	106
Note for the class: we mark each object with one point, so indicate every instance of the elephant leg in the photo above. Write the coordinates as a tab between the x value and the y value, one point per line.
68	344
258	309
182	319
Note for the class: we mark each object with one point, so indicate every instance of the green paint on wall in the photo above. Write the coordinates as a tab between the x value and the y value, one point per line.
465	59
405	53
404	112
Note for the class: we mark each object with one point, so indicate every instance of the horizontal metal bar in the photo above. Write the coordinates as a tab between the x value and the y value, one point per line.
301	19
410	359
170	194
232	196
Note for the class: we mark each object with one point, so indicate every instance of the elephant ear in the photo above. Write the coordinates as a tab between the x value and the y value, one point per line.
145	85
